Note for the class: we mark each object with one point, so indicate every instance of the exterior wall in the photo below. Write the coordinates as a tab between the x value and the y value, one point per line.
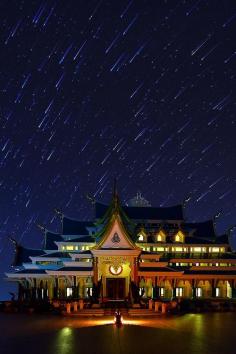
187	288
104	273
208	288
81	287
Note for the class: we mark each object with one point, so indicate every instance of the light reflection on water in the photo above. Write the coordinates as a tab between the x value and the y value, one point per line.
64	341
190	334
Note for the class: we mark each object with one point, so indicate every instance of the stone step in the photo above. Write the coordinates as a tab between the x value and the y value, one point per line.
85	312
141	312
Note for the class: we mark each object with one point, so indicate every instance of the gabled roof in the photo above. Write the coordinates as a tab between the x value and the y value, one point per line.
116	228
31	271
69	269
49	240
82	239
144	213
204	229
75	227
197	240
57	255
157	269
114	235
22	255
222	239
211	272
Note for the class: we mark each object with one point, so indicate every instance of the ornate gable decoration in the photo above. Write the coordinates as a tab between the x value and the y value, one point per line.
116	237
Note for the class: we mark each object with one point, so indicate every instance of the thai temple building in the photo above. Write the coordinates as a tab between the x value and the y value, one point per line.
128	252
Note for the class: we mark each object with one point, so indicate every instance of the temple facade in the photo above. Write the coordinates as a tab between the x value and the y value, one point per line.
127	253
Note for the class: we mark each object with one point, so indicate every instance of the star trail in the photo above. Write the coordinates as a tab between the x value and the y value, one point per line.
144	91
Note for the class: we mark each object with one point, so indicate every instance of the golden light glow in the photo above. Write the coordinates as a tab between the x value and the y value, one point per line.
179	237
70	248
161	236
140	238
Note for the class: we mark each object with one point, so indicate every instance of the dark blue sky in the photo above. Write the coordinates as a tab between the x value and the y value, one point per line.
141	90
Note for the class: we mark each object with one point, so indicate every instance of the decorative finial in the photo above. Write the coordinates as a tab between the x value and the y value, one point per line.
41	227
186	200
216	216
115	193
15	243
231	229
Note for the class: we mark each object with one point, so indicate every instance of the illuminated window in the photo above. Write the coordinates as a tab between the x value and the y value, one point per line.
85	248
160	249
70	248
214	249
68	292
76	248
63	247
197	264
197	249
177	249
161	237
162	292
217	292
179	237
199	292
179	292
88	292
140	237
228	290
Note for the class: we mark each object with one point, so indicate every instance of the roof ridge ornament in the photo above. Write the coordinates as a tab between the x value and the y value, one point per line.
217	216
41	227
115	197
115	238
231	230
187	200
13	241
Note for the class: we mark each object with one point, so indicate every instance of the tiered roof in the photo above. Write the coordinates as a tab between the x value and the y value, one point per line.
134	218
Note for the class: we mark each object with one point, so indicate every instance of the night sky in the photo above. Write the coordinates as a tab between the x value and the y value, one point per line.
144	91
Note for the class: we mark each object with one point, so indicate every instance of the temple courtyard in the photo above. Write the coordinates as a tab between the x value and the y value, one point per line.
190	333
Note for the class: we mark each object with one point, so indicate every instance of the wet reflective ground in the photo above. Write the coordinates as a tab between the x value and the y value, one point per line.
210	333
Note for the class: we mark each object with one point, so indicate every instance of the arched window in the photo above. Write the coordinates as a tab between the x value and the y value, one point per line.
179	237
140	237
161	236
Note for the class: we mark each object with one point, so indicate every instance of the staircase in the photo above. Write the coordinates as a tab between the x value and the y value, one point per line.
141	312
85	312
111	312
